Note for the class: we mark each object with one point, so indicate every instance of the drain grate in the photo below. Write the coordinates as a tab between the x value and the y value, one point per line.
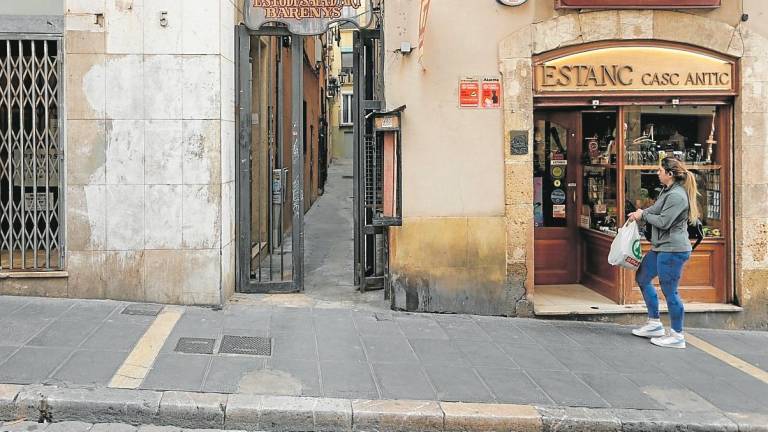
142	309
259	346
190	345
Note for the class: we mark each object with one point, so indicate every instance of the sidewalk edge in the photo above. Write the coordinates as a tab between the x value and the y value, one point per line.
289	413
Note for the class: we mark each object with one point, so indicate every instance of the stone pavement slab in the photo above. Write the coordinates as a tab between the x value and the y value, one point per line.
30	365
90	368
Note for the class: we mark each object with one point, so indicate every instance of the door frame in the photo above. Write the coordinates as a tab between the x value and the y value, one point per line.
573	192
243	193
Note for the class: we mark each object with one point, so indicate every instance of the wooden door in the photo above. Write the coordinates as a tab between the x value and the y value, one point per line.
556	162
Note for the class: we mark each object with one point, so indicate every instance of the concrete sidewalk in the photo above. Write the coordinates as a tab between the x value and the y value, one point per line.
74	348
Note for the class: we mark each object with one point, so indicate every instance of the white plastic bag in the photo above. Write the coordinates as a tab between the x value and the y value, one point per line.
625	249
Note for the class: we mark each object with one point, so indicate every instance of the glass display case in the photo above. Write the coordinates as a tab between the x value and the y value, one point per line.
599	169
685	132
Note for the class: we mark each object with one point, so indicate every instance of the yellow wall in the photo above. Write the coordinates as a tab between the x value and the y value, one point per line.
342	144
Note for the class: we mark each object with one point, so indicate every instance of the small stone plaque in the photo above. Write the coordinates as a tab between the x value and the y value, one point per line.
518	142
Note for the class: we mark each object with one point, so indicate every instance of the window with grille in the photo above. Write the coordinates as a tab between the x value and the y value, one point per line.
31	199
346	109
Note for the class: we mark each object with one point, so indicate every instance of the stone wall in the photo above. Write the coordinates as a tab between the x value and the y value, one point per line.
751	130
150	150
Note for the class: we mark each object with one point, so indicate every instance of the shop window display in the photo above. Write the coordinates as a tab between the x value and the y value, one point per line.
685	132
600	149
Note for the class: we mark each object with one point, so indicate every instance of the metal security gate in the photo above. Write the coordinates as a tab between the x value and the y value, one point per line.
270	192
31	156
370	238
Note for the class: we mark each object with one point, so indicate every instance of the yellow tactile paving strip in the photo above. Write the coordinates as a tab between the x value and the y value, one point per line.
727	358
136	367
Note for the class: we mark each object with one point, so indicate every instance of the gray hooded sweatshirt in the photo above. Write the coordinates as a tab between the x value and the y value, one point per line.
669	219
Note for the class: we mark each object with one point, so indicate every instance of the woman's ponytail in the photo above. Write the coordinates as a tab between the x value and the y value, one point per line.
692	191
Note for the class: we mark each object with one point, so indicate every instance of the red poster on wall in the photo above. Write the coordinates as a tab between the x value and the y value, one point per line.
469	93
491	91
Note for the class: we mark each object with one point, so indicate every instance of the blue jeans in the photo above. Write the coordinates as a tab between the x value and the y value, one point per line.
668	266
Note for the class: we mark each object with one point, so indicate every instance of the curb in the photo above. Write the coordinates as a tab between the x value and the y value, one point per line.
288	413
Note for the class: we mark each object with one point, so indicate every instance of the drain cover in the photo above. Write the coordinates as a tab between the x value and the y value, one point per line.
259	346
190	345
142	309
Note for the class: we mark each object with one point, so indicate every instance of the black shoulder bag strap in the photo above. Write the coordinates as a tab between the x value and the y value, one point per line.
696	231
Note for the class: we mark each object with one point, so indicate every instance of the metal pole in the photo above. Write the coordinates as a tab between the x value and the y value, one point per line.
243	196
297	160
280	137
357	163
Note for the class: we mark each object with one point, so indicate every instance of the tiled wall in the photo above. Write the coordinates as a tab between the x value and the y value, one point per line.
150	149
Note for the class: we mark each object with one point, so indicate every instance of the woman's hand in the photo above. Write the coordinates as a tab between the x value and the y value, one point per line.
636	215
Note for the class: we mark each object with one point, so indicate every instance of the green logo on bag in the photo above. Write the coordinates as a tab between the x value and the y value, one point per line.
636	249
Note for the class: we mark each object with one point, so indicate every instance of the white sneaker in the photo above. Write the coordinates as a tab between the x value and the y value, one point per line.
674	340
653	328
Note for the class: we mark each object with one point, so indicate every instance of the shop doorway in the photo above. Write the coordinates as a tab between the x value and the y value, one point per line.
555	166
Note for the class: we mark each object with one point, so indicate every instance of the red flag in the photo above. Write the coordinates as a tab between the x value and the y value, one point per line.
423	15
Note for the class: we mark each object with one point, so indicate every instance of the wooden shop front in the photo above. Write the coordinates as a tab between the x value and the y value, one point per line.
605	113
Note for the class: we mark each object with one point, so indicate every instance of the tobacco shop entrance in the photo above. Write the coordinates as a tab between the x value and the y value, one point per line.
604	115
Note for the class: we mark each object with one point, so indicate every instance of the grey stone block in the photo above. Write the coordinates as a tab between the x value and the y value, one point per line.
463	417
243	412
69	426
674	421
186	409
333	415
8	395
113	427
287	413
396	416
578	419
104	405
153	428
29	401
25	426
750	422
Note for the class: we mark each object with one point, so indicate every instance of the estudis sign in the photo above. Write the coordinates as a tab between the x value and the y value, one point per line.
307	17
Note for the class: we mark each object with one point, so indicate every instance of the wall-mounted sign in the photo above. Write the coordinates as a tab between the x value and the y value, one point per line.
634	68
307	17
469	93
518	142
491	92
637	4
482	92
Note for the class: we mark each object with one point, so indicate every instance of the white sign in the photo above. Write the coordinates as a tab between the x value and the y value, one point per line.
30	199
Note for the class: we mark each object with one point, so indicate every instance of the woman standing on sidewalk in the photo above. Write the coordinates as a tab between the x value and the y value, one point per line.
669	217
